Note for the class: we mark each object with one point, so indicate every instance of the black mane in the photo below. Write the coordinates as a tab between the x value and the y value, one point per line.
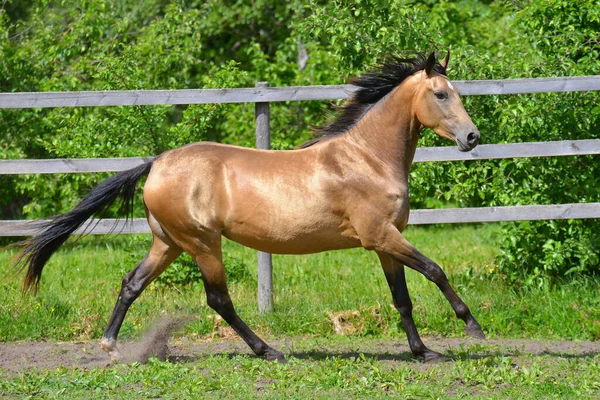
372	87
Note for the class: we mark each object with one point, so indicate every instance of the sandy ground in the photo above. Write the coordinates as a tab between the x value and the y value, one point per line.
19	356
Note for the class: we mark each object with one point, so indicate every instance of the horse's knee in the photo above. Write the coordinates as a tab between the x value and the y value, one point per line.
435	274
128	294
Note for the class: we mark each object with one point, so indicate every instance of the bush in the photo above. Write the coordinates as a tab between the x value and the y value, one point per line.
533	251
157	44
185	271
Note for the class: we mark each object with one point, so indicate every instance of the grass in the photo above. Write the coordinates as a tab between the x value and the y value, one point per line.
81	283
356	376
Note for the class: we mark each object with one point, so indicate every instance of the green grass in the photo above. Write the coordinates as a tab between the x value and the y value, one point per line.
81	284
357	376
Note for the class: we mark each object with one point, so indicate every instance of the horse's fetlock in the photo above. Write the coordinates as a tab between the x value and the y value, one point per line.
462	311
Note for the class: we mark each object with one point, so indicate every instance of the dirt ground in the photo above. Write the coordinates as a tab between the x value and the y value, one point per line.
16	357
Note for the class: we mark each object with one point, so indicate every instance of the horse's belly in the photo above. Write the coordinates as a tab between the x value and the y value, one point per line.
301	233
299	245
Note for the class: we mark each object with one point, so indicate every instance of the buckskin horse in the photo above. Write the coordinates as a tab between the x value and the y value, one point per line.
346	188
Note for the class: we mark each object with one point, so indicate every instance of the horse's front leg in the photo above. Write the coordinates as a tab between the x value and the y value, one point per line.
394	274
397	247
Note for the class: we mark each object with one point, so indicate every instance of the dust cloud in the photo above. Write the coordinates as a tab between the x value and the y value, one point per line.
155	341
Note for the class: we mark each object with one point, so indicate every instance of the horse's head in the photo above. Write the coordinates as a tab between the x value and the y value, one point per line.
437	106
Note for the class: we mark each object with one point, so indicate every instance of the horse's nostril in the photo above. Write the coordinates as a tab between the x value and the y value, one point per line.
472	138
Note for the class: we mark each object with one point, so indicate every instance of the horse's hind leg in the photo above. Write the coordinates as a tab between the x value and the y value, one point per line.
160	256
394	274
209	261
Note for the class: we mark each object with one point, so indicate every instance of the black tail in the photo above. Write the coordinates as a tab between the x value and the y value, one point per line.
38	249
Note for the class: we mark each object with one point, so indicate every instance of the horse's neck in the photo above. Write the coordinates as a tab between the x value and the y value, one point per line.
390	132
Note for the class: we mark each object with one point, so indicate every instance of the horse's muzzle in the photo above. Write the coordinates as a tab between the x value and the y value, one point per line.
472	140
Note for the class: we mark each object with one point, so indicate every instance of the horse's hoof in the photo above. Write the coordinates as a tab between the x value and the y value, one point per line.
432	357
282	360
474	330
110	346
274	355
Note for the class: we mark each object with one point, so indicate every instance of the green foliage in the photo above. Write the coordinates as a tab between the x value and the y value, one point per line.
237	270
184	271
565	39
361	32
169	44
533	251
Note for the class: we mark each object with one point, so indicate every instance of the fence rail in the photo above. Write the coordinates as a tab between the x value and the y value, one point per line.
423	154
417	217
261	95
275	94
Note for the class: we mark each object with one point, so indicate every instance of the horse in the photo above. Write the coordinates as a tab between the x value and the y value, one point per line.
346	188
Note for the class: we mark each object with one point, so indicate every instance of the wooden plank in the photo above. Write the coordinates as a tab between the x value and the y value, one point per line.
98	227
532	85
506	213
511	150
157	97
70	165
417	217
291	93
423	154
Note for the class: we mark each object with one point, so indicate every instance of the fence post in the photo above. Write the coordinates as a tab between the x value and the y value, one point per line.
265	262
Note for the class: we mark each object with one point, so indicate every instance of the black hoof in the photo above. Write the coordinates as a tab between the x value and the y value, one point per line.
432	357
274	355
474	330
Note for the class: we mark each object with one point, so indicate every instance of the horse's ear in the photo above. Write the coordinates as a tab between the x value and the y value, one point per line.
430	64
444	62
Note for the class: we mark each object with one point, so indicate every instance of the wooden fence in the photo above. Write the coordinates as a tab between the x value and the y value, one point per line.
262	95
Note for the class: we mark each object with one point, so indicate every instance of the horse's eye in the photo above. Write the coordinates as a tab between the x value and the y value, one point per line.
441	95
